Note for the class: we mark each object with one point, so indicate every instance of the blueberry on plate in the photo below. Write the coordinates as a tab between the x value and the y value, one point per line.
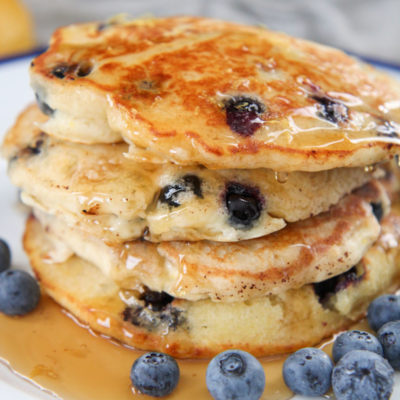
355	340
383	309
19	292
155	374
308	372
235	374
362	374
389	336
5	256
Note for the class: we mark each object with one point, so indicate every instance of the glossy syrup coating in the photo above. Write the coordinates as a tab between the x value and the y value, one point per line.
115	198
202	91
314	250
267	325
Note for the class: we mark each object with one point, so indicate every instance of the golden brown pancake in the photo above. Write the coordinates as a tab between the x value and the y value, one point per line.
308	251
110	196
263	326
201	91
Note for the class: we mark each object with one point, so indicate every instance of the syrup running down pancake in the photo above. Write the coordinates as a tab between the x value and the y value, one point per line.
118	199
266	325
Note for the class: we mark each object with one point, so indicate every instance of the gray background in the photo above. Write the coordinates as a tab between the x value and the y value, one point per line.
367	27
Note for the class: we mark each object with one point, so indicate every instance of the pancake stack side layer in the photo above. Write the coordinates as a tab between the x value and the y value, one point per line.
198	185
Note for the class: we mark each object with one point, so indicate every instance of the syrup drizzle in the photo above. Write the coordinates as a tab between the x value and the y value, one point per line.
281	177
52	350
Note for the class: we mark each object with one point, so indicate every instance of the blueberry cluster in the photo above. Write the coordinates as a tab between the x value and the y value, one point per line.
365	363
364	367
232	374
19	292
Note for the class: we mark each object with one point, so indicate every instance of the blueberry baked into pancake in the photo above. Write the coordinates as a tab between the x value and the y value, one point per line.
200	91
198	185
262	324
111	196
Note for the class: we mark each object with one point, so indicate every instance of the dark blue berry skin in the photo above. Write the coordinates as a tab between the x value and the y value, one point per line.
235	374
5	256
331	110
362	375
308	372
355	340
155	374
244	204
19	292
384	309
169	194
242	114
44	107
389	336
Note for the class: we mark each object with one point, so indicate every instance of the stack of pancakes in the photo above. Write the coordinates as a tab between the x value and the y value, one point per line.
198	185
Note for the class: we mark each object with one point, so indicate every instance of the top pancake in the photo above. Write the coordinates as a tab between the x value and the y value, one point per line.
201	91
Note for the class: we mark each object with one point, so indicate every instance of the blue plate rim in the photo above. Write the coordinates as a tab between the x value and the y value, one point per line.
20	56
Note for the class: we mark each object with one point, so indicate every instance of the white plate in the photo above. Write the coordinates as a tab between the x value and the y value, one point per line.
15	94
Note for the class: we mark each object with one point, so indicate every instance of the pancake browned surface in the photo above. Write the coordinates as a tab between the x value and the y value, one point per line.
112	197
202	91
308	251
267	325
200	185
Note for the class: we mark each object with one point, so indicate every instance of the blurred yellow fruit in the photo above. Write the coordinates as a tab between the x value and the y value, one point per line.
16	28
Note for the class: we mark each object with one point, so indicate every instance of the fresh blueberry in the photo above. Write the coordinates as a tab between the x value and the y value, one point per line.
308	372
384	309
155	374
235	374
5	256
355	340
242	114
389	336
362	375
244	204
19	292
332	110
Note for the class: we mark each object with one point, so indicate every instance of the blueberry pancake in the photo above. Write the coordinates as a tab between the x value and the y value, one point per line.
308	251
222	95
108	195
265	325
